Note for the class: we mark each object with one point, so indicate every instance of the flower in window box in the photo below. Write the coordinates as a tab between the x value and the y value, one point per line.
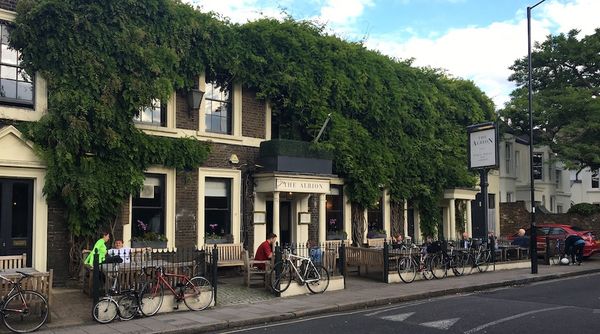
148	235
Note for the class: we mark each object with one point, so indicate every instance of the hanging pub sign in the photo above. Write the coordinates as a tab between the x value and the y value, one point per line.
483	146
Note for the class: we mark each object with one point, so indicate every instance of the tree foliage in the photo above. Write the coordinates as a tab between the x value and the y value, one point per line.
393	125
566	105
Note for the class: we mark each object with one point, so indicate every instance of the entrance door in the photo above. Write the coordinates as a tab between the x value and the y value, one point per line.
16	217
285	217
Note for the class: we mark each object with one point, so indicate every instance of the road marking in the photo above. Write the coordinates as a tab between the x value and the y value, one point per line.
493	323
387	308
441	324
398	317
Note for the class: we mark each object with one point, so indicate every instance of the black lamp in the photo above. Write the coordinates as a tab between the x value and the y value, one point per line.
194	98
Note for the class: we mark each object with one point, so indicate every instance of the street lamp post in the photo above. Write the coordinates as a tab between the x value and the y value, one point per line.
532	228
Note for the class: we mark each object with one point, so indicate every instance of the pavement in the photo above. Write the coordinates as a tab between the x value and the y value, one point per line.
360	293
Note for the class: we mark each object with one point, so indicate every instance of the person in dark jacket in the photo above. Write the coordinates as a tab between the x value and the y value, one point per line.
521	240
574	246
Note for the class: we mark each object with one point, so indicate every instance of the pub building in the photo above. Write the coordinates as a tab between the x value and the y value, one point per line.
240	194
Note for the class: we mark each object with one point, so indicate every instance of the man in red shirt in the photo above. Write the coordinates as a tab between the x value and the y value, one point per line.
264	251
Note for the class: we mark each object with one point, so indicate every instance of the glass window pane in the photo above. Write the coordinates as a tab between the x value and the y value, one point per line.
224	123
8	88
147	115
215	124
4	34
20	209
23	76
9	56
208	107
207	122
8	72
156	115
25	91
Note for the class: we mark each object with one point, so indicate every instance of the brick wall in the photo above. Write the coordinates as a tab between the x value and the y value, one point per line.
253	115
58	243
8	4
186	208
185	119
313	208
514	216
220	153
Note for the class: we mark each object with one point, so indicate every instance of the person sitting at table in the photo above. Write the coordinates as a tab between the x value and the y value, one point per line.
397	241
521	240
264	251
465	242
100	247
123	252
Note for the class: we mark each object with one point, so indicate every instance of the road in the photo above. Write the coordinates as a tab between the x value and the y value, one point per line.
563	306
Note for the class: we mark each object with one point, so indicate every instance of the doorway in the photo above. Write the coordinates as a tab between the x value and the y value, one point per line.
16	217
285	218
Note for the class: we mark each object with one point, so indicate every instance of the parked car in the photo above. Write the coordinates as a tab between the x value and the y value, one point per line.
560	231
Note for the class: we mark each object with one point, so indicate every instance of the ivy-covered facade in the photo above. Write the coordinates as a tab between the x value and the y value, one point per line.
112	138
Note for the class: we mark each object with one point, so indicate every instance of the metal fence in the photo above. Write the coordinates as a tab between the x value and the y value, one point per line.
128	268
331	255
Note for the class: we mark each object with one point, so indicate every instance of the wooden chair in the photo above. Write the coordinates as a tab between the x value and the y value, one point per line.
253	274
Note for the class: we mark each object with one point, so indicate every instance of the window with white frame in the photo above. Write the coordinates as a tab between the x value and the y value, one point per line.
595	179
375	219
16	85
559	209
218	108
538	166
217	210
154	114
148	209
558	178
334	208
508	153
509	197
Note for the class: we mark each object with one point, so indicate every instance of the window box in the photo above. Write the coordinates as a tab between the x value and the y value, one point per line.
337	235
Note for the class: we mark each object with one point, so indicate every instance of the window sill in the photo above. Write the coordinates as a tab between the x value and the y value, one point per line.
155	128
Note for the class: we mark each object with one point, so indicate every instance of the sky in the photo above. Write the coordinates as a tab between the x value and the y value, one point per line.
471	39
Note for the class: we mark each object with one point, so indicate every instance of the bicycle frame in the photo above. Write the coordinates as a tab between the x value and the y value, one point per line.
292	258
160	280
15	289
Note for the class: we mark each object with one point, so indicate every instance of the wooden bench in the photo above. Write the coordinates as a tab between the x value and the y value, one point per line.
40	282
375	243
13	261
230	255
364	258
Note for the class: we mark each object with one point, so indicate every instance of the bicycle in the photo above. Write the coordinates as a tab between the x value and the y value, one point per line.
315	276
477	258
444	260
22	310
558	252
408	265
109	307
195	292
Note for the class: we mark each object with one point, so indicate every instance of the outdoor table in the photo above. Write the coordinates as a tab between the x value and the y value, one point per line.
508	248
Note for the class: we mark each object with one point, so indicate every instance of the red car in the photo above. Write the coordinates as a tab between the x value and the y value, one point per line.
559	231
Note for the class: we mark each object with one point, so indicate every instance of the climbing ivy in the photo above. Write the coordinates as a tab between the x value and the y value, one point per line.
393	125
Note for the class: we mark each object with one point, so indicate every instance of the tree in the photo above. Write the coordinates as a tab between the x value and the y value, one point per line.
566	105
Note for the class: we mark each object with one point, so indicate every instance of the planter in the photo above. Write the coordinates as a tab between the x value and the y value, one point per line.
376	236
336	236
218	241
151	244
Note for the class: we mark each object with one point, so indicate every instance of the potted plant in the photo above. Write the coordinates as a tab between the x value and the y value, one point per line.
213	237
148	238
376	233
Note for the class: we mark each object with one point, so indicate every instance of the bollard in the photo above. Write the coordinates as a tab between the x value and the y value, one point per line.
386	262
547	254
215	260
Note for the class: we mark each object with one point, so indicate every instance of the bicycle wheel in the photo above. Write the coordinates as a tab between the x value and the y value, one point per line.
198	294
457	264
427	272
128	306
407	270
318	278
482	261
280	277
25	312
105	310
439	269
151	299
